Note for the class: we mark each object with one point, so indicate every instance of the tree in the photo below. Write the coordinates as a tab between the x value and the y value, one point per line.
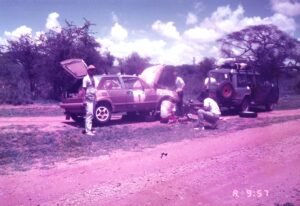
206	65
25	51
71	42
14	88
264	46
134	64
41	57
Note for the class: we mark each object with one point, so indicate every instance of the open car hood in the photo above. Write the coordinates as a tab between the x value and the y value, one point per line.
159	76
152	74
76	67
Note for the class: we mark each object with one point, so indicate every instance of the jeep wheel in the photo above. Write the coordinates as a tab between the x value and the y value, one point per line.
103	113
226	91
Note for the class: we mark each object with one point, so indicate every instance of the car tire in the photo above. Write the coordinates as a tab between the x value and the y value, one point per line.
225	91
103	113
248	114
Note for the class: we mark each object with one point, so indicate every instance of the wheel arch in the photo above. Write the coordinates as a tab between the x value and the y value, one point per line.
105	102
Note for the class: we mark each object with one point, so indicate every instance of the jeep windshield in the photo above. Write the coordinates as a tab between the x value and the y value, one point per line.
218	76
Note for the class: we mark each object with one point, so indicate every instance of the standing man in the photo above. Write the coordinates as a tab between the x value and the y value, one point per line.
179	89
89	84
210	113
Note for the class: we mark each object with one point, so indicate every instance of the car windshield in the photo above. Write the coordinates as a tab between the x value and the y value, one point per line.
219	76
132	83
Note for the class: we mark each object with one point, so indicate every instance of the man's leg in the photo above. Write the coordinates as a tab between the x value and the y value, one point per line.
208	117
211	118
180	103
200	118
89	117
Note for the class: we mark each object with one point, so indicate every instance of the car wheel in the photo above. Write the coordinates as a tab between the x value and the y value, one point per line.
248	114
103	113
245	106
77	118
225	91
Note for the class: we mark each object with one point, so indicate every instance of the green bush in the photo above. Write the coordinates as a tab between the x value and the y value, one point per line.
14	85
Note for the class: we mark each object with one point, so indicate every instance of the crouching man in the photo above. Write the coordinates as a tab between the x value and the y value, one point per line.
167	111
210	113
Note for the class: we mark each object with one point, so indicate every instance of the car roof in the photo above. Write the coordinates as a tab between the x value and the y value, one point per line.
234	71
117	75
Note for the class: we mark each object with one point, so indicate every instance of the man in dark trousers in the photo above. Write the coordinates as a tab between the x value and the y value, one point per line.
179	83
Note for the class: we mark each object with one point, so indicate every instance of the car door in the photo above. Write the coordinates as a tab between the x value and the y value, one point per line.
149	102
116	93
134	91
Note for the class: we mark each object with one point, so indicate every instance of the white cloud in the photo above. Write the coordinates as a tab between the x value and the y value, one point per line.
199	6
166	29
115	18
199	40
225	20
202	35
52	22
18	32
286	7
144	47
118	32
191	19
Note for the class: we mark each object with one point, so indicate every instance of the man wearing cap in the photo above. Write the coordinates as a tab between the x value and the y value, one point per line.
89	84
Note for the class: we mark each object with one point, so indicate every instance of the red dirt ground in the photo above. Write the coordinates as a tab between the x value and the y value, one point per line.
255	165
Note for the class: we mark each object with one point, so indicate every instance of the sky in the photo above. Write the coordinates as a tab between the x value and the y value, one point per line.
168	31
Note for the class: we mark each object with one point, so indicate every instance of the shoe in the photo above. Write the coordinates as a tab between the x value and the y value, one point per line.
90	133
93	131
189	115
199	128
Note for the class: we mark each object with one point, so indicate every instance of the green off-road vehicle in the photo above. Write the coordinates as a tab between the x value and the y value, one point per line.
239	86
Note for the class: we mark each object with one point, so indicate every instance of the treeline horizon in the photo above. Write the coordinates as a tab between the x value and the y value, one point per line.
30	68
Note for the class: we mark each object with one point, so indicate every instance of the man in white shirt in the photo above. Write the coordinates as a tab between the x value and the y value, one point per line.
179	89
89	84
211	113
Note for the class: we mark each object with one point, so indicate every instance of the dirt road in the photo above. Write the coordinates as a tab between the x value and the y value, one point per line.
46	161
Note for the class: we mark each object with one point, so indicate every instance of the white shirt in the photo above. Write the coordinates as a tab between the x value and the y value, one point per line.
179	84
167	109
90	93
212	105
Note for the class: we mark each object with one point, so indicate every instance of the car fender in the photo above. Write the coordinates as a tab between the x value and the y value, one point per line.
107	101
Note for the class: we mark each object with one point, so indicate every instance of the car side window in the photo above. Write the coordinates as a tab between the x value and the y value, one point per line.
242	80
110	83
132	83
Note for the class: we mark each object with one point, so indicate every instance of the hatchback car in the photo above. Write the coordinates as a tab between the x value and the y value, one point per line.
120	93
